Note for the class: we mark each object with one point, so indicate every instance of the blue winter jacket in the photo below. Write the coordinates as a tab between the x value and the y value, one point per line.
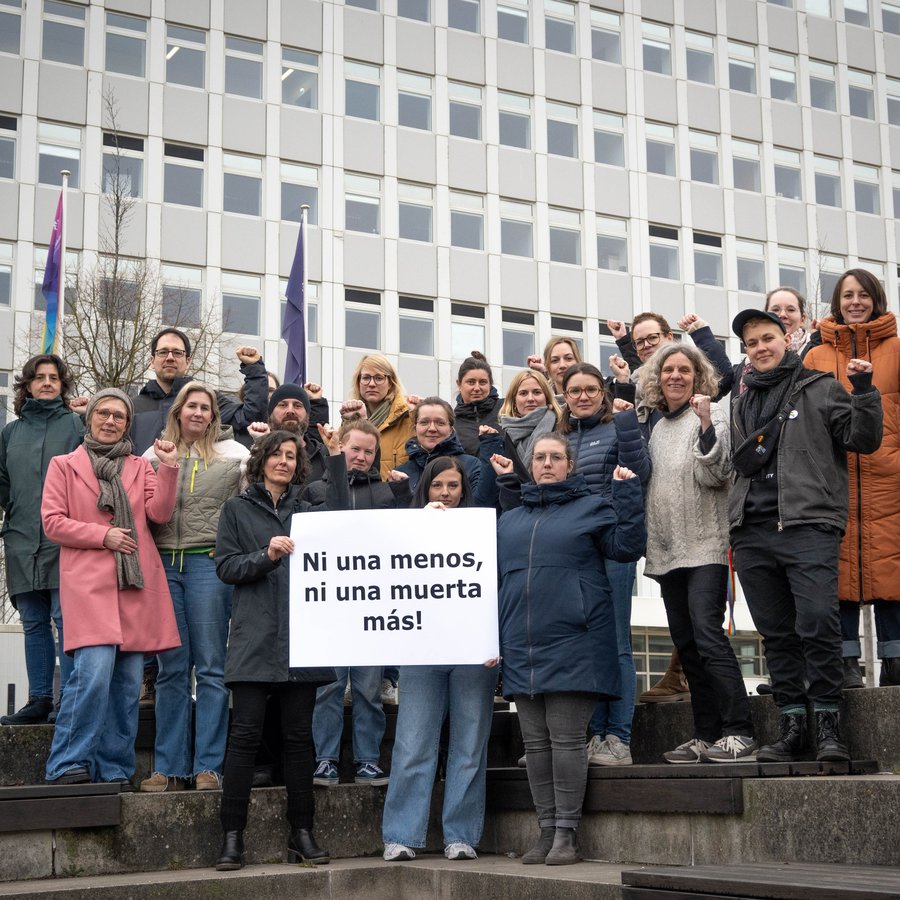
557	622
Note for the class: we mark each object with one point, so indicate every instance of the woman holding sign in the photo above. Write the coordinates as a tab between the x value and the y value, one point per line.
558	625
428	694
252	543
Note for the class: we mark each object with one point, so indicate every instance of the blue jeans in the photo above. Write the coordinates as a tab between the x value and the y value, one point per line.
202	610
36	609
368	715
98	715
614	716
427	695
887	628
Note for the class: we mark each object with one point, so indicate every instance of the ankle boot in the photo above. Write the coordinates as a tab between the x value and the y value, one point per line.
34	712
231	856
853	677
829	747
302	846
538	853
671	687
564	851
890	672
791	744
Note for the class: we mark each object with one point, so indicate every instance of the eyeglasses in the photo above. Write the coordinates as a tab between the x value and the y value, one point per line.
573	393
115	415
373	379
437	423
555	458
650	341
163	352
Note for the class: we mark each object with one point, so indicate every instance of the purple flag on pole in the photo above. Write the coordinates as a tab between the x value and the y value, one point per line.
52	287
293	326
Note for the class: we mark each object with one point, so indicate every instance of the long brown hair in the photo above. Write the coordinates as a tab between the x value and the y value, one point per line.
606	407
872	287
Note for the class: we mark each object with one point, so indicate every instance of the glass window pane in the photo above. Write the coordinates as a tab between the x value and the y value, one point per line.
612	253
362	214
890	18
515	130
512	24
53	159
742	76
299	88
416	336
862	103
751	275
362	328
185	65
293	196
609	148
562	138
660	158
465	120
708	268
663	261
243	77
746	175
242	194
414	9
7	158
240	314
565	246
180	306
822	94
517	347
788	276
414	111
361	100
515	238
867	197
704	166
5	285
466	230
183	185
415	222
464	14
828	190
465	338
63	43
894	110
606	45
125	55
700	66
657	57
787	183
559	35
783	85
128	171
10	32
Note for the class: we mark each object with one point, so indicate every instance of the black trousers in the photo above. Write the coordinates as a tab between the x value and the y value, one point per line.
297	699
790	581
695	607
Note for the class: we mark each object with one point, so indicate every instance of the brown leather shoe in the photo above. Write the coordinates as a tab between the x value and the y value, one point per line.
671	688
208	781
158	783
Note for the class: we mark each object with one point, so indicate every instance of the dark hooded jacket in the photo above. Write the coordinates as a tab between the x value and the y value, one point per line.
367	491
470	415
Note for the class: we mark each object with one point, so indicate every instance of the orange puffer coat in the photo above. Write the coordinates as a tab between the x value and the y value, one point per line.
870	552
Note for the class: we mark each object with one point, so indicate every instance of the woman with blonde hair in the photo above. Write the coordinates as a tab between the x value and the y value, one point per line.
211	471
560	353
377	395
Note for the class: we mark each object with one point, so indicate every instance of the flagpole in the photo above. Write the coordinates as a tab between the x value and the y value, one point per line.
61	302
304	215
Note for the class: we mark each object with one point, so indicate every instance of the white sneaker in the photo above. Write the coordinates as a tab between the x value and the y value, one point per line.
594	747
397	853
459	850
611	752
388	693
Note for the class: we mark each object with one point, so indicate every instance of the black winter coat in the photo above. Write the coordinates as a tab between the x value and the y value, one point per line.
367	491
470	415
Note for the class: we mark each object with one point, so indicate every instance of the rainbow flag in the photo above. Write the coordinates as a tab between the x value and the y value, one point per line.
54	281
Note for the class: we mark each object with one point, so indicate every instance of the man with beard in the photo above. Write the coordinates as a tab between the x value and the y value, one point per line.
290	409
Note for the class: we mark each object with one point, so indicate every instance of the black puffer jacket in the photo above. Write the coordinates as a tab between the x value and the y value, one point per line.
470	415
367	491
258	644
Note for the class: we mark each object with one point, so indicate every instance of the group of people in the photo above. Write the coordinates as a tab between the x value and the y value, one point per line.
154	531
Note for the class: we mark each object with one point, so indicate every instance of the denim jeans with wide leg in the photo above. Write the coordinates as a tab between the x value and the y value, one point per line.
98	716
36	610
427	695
368	715
614	716
887	628
202	610
553	730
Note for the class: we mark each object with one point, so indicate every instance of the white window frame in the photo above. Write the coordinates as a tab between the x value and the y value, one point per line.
702	45
517	324
11	12
188	282
746	152
660	134
862	86
6	268
184	162
607	23
311	306
703	145
743	56
414	311
655	36
792	260
517	213
866	177
366	311
113	147
783	70
180	37
822	73
116	26
754	253
65	15
245	168
9	134
237	48
365	75
306	177
565	223
518	107
561	12
458	13
467	329
669	243
417	86
420	197
566	115
64	142
788	160
295	60
241	287
517	11
613	124
614	229
471	206
707	248
469	97
828	169
365	190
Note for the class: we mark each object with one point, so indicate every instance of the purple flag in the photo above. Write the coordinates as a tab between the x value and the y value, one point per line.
293	326
52	287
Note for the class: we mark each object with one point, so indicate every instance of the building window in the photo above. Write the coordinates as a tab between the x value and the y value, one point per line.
466	334
895	186
512	21
788	4
792	269
183	175
562	129
707	259
123	165
819	7
657	45
362	90
242	184
700	57
606	36
465	110
742	67
664	252
660	148
704	157
865	189
420	10
8	132
299	187
40	264
59	147
822	94
63	32
10	26
243	67
612	244
609	139
516	223
465	15
126	45
362	204
745	166
6	259
890	17
828	180
518	336
241	299
466	221
856	12
783	76
312	309
559	26
363	4
515	120
362	319
416	202
414	101
751	266
416	326
565	236
566	327
830	270
185	56
787	174
893	100
182	295
862	94
299	78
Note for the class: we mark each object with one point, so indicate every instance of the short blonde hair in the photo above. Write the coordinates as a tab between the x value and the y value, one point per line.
509	402
706	378
380	364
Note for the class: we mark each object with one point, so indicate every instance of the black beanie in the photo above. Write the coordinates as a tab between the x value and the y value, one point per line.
289	392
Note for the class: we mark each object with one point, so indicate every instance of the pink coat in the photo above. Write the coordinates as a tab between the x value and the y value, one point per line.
94	610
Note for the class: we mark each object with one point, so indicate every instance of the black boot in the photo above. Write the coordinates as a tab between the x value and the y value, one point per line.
890	672
829	747
34	712
853	677
791	744
564	851
538	853
302	846
231	856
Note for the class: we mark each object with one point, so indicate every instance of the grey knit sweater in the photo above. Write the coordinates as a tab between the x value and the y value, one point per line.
687	498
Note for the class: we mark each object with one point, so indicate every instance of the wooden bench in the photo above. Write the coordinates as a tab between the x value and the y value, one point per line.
772	881
47	807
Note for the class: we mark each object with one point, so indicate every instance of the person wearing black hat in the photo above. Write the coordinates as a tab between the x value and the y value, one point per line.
791	430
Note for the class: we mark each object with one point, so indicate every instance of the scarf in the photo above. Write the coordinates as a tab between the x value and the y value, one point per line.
767	392
379	415
524	431
107	461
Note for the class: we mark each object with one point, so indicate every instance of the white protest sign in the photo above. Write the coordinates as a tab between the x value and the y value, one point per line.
393	587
